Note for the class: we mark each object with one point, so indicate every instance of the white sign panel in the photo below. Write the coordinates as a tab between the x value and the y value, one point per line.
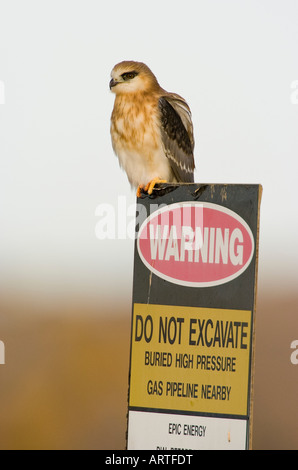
163	431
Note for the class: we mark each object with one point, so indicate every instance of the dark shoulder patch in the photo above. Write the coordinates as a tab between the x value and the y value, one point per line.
173	126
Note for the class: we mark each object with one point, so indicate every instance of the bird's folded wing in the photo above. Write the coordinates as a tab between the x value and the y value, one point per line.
177	136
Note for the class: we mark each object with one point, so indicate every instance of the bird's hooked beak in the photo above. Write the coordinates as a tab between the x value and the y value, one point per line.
113	83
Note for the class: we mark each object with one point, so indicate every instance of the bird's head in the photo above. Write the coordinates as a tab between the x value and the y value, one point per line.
132	77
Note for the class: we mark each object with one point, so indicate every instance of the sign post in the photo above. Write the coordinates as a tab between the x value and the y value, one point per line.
192	336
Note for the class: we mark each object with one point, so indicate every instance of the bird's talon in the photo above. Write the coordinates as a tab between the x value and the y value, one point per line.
150	186
139	190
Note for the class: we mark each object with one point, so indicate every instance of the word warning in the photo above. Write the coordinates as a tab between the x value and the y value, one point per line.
192	348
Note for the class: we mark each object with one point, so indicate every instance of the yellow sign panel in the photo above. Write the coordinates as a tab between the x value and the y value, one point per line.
190	359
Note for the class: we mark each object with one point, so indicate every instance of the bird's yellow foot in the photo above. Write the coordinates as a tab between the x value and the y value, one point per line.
139	190
150	186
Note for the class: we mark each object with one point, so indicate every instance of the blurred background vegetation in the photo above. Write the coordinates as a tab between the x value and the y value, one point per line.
65	382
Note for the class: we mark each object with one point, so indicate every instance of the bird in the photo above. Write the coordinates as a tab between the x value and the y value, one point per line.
151	129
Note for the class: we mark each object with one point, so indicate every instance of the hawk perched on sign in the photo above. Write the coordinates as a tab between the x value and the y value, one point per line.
151	129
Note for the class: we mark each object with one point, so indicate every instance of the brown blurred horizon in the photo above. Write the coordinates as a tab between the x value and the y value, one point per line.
64	384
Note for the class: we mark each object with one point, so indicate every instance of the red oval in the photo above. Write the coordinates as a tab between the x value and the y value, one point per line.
196	244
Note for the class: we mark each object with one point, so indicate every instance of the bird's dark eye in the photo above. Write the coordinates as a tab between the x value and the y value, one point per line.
129	75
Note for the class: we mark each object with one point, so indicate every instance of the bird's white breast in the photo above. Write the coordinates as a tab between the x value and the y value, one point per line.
137	142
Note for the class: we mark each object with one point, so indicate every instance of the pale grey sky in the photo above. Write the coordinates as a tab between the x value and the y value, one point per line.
234	61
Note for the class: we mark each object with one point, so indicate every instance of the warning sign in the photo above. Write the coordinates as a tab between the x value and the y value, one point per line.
192	336
195	244
190	359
